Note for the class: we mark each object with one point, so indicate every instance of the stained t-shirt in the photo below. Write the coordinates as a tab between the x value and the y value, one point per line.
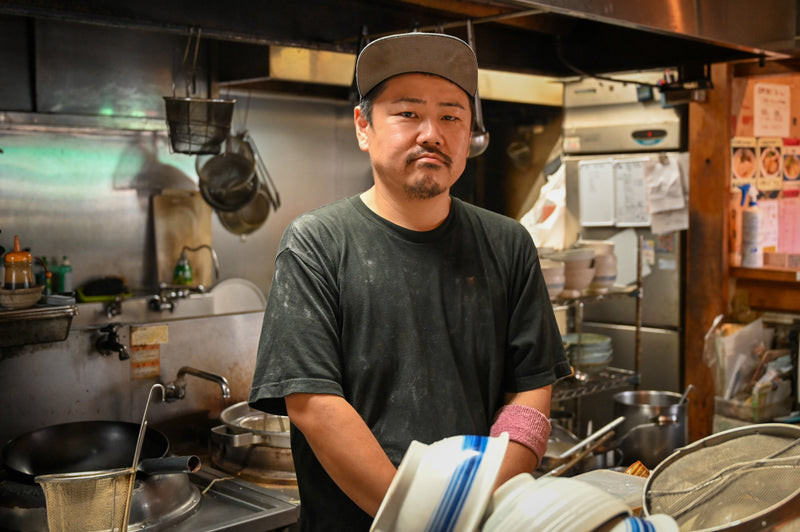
422	332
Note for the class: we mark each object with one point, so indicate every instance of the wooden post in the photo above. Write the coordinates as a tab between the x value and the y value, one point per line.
706	290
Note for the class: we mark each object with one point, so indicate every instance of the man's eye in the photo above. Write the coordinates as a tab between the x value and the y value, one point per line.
450	118
407	114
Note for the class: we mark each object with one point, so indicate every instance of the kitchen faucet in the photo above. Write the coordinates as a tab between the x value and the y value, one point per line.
109	342
177	388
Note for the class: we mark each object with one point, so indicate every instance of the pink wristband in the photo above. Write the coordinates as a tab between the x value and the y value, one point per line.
525	425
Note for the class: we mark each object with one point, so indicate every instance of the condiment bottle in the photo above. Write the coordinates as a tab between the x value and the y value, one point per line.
183	274
19	268
65	276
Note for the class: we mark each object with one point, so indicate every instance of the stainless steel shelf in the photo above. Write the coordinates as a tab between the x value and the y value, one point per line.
608	379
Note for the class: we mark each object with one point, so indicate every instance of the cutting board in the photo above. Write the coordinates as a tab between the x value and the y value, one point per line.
182	218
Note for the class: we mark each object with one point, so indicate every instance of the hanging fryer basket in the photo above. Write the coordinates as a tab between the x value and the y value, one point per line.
198	125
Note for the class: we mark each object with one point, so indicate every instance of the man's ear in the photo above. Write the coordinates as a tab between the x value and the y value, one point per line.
361	129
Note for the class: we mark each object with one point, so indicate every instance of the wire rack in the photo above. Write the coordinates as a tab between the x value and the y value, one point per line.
608	379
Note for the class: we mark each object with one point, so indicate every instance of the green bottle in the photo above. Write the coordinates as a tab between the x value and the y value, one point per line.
183	274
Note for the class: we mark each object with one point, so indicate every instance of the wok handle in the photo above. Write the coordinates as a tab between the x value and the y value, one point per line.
170	464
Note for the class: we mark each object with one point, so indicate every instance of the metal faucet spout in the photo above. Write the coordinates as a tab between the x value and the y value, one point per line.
177	388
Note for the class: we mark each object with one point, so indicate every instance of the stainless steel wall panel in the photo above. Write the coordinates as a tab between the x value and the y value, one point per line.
98	71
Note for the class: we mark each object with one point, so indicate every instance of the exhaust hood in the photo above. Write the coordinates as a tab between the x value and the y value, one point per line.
765	29
546	38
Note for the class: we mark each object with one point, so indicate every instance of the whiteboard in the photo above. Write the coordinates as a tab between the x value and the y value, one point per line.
630	199
596	193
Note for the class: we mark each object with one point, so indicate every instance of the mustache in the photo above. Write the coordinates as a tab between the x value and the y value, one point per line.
426	150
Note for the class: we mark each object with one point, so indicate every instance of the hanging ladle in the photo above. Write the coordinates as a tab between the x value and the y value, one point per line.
479	140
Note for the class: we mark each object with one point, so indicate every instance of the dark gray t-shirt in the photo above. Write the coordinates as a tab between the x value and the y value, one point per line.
422	332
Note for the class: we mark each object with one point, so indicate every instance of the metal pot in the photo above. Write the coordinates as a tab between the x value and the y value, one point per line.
655	425
254	445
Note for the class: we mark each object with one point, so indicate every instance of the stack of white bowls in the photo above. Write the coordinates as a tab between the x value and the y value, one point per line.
442	486
605	264
579	270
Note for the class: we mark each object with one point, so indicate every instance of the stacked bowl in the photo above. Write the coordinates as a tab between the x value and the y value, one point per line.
579	270
442	486
553	273
605	264
588	353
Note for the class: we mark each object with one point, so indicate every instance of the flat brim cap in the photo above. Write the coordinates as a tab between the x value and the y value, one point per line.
417	52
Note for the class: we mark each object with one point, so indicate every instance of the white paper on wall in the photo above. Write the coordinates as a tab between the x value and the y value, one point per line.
596	193
630	200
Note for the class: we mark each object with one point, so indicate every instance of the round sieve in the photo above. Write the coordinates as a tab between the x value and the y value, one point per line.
746	478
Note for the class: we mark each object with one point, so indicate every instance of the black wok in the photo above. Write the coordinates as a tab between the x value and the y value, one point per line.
80	446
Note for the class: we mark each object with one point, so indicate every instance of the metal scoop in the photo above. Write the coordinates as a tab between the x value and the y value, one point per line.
479	140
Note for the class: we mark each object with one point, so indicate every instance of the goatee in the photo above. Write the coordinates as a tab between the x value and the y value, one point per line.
425	188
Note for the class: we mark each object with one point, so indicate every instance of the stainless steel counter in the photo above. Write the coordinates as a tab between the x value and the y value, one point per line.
232	504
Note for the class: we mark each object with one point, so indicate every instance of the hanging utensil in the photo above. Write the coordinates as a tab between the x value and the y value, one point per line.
685	395
143	427
354	96
479	140
196	125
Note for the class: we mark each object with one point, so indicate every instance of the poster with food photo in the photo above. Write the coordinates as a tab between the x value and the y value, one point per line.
744	164
791	164
770	163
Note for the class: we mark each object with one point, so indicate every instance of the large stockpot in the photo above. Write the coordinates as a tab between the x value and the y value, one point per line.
654	427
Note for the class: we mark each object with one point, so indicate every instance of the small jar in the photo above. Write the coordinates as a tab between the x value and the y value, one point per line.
19	268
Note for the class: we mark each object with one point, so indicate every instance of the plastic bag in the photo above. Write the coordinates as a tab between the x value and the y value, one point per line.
546	220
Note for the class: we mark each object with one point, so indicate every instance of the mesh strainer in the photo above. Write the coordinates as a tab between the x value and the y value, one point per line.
92	501
741	479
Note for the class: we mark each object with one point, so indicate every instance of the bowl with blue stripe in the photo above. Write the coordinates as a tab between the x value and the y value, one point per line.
442	487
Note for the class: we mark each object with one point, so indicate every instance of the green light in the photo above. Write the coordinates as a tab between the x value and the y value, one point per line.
107	111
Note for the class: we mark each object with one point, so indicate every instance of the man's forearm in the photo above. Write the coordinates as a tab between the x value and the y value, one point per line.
345	447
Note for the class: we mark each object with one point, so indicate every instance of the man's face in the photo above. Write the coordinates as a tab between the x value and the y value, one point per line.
418	141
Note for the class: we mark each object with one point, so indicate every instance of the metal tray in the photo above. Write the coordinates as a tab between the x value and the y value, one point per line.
36	325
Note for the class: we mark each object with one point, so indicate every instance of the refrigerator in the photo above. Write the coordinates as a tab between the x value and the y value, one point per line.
612	133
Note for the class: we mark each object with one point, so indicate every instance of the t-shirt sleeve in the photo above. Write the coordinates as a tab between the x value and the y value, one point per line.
535	350
299	349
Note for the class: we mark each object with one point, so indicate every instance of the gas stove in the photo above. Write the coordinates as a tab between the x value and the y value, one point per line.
218	502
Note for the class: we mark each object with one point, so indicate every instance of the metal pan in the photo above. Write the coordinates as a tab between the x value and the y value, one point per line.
80	446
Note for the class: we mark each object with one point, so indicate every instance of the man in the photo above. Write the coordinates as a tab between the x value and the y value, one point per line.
405	314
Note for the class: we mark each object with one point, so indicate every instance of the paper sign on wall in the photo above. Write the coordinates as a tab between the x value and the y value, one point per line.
630	197
596	193
771	110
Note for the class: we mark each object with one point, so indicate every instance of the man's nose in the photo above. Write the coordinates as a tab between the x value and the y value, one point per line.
430	132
